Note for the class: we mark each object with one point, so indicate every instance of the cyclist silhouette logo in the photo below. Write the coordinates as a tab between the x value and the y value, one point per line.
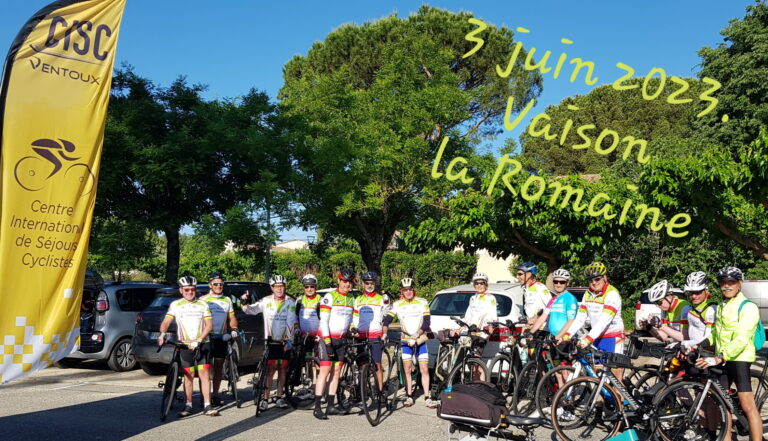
33	173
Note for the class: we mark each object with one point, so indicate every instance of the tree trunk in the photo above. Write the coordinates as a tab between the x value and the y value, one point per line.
759	249
172	252
372	243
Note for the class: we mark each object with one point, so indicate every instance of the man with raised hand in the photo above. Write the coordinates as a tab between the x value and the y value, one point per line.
193	324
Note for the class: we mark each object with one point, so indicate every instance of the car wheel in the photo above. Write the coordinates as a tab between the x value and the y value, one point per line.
153	368
122	359
67	363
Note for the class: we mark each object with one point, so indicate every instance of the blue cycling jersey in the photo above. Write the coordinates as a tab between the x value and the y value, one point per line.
561	309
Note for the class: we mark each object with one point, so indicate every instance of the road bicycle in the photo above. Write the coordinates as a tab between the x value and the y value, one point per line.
459	359
504	368
700	408
358	383
259	379
173	379
302	368
230	370
395	376
540	347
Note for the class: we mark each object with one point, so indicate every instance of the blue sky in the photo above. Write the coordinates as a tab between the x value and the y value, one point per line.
234	45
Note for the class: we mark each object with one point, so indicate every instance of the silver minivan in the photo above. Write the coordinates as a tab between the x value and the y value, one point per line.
107	321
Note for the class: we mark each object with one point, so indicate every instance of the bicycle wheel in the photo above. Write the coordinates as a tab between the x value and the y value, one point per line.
293	376
468	371
230	367
370	396
588	412
502	374
390	363
346	393
169	390
548	387
677	417
525	389
259	382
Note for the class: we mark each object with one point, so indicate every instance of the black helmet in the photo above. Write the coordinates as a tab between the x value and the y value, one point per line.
215	275
347	275
370	275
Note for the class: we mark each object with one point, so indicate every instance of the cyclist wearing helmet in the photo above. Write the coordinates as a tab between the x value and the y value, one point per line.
602	305
193	321
308	312
224	322
336	310
560	313
369	311
536	294
674	325
733	337
701	317
280	324
413	314
482	307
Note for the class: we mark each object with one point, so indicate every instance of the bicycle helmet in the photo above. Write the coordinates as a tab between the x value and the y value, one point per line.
658	291
406	283
215	275
696	281
347	275
277	279
595	269
309	279
527	267
480	276
561	274
187	281
729	272
370	275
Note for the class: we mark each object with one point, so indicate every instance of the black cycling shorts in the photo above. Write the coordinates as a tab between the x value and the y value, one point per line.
218	347
191	363
376	348
330	353
737	372
276	354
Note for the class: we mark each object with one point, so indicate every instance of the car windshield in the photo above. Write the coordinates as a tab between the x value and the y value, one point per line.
163	301
456	303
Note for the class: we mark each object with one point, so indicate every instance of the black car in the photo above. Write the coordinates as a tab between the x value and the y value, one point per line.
147	328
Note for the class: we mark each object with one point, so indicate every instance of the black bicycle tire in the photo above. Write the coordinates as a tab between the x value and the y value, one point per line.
259	384
232	374
659	400
524	384
460	367
169	390
556	403
372	411
506	386
539	395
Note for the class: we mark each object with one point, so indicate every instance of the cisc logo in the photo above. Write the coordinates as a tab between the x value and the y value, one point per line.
81	37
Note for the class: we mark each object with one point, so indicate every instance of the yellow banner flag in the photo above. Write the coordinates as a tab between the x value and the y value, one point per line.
53	105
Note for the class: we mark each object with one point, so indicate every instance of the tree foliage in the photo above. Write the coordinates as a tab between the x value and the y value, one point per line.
369	106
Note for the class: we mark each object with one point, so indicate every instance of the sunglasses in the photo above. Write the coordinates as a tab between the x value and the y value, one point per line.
369	283
722	282
559	282
309	287
695	293
520	274
188	289
595	279
217	284
479	283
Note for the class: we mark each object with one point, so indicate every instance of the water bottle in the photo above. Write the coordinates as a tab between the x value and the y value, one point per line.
523	354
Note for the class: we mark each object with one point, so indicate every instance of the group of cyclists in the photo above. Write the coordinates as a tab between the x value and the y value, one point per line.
690	316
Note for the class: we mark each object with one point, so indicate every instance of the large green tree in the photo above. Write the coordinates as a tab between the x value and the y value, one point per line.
171	157
740	63
369	107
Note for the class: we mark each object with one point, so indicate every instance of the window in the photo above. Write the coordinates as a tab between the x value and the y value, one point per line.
135	299
456	303
163	300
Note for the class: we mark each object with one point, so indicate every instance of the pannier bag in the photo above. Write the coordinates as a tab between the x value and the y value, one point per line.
478	404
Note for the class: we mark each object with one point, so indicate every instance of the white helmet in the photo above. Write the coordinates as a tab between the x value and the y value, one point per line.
658	291
276	280
561	273
309	279
406	283
187	281
696	281
480	276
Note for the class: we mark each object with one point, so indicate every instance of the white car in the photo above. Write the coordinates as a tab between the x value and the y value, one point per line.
454	301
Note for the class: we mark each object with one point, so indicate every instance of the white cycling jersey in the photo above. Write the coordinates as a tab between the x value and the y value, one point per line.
536	297
221	309
700	320
411	315
481	310
190	318
279	317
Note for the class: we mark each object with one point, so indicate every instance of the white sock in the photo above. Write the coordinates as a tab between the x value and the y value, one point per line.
189	404
207	404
